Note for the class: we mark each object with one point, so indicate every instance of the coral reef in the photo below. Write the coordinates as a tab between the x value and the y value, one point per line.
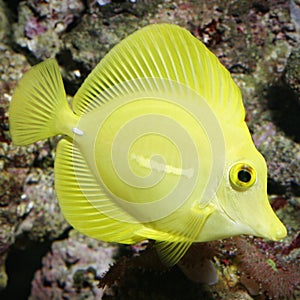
292	71
130	277
72	269
264	268
44	220
41	23
263	272
5	30
258	41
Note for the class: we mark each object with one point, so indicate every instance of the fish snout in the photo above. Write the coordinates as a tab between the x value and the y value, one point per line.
277	232
271	227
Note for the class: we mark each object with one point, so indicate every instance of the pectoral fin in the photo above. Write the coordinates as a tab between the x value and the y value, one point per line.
172	252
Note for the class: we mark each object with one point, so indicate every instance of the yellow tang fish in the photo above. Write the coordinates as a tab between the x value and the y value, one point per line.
154	146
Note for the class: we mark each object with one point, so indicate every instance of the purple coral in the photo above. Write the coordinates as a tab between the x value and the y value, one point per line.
72	269
33	27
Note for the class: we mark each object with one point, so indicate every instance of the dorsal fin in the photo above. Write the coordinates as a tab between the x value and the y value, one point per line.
169	52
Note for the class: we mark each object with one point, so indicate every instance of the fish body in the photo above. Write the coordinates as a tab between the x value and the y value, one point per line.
154	145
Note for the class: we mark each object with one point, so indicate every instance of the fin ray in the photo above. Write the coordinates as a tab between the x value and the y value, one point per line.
171	253
173	239
180	230
39	106
169	52
77	209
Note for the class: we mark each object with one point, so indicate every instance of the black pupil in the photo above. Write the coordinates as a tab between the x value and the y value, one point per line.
244	176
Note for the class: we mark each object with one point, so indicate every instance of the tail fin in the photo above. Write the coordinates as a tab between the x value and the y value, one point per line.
38	105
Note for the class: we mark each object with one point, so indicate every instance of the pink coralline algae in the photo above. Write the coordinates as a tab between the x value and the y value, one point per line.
72	269
33	27
57	12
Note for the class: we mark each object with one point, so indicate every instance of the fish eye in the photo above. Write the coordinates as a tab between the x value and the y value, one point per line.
242	176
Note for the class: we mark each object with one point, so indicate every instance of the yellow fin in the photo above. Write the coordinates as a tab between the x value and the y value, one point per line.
75	204
169	52
39	108
171	253
78	193
179	231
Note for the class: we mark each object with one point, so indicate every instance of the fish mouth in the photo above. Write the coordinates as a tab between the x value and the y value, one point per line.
274	230
274	233
269	225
